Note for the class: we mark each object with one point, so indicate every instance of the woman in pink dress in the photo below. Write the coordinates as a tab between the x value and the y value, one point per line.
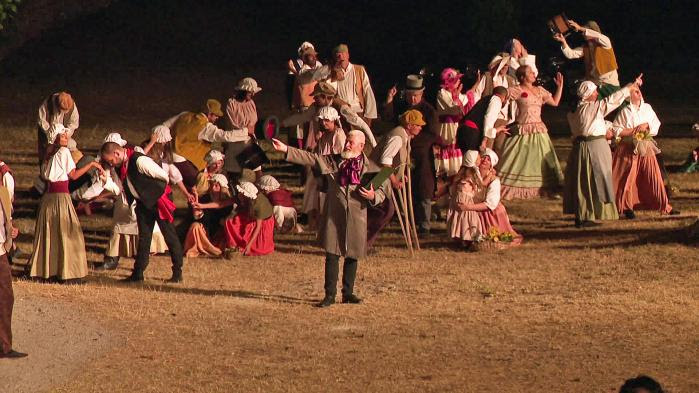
491	211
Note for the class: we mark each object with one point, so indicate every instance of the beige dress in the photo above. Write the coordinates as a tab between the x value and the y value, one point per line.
462	225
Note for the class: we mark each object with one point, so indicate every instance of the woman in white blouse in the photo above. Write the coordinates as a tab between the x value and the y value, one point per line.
491	211
637	178
59	246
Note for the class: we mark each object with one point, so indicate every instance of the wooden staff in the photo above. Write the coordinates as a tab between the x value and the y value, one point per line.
410	201
402	227
404	203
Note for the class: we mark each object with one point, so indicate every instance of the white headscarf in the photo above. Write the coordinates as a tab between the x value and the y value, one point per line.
220	179
248	189
586	89
305	46
162	134
54	131
470	159
268	183
212	156
493	157
115	137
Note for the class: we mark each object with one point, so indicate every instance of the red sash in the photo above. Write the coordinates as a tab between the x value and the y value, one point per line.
166	208
58	187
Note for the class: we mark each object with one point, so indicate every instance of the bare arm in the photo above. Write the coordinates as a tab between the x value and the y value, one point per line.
253	236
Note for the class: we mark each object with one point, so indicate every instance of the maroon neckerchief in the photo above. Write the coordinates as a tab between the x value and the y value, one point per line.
350	171
125	164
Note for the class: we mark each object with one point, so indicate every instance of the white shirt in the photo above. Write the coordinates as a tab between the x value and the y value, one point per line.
632	116
346	90
498	80
446	104
9	182
528	60
588	118
611	77
492	194
3	234
150	168
59	166
71	123
311	115
491	115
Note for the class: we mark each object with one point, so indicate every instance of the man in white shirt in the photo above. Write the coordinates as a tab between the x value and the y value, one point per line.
598	55
355	88
58	108
589	190
147	182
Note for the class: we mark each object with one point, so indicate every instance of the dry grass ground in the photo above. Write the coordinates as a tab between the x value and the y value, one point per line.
569	311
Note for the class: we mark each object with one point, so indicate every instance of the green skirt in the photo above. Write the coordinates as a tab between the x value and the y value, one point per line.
529	167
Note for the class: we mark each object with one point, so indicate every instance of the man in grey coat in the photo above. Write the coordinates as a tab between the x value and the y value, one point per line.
343	222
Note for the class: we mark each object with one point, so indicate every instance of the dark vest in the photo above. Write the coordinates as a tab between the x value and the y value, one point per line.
149	189
477	113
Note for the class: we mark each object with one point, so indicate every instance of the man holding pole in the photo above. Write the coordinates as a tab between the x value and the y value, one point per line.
393	152
344	219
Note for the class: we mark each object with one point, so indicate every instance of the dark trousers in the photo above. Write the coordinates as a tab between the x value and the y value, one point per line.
377	218
423	213
332	269
42	143
146	221
7	301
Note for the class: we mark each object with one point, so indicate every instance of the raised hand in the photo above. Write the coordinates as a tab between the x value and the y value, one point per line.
559	37
575	25
391	93
639	80
558	80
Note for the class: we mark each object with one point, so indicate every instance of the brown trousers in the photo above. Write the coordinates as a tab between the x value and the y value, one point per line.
7	300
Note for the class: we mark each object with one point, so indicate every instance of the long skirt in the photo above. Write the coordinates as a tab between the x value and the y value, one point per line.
589	192
238	231
59	245
463	225
197	242
638	181
125	245
529	167
448	161
498	218
7	301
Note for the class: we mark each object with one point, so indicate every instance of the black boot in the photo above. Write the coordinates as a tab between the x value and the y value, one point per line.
332	267
326	302
136	276
629	214
349	273
176	276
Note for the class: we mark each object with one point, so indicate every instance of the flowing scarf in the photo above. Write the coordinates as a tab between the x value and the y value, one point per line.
125	165
166	207
350	171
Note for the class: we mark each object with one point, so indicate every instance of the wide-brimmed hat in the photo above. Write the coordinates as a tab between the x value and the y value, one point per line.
65	101
414	82
450	76
412	116
248	84
324	88
214	106
213	156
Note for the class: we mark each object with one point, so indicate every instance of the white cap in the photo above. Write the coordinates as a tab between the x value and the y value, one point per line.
248	189
493	157
220	179
470	159
328	113
248	84
115	137
162	134
586	89
268	183
54	131
213	155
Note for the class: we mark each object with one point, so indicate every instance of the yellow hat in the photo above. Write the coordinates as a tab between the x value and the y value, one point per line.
214	106
412	116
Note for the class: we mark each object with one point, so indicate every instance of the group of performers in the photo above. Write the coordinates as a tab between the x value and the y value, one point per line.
470	151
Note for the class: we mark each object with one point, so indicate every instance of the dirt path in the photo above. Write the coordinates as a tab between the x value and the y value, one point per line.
59	338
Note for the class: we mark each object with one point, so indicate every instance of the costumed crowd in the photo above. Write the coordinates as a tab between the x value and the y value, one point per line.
464	154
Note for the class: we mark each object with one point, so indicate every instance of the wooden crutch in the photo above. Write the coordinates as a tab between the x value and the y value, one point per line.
410	201
402	226
404	203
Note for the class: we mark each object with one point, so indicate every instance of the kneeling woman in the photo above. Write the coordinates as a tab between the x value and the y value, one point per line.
59	245
487	203
212	208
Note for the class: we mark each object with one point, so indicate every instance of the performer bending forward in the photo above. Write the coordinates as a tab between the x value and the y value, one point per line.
147	183
343	229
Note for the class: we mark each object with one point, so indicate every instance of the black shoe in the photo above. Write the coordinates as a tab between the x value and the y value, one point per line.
629	214
110	263
132	278
326	302
578	223
176	278
586	224
351	299
674	212
13	355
